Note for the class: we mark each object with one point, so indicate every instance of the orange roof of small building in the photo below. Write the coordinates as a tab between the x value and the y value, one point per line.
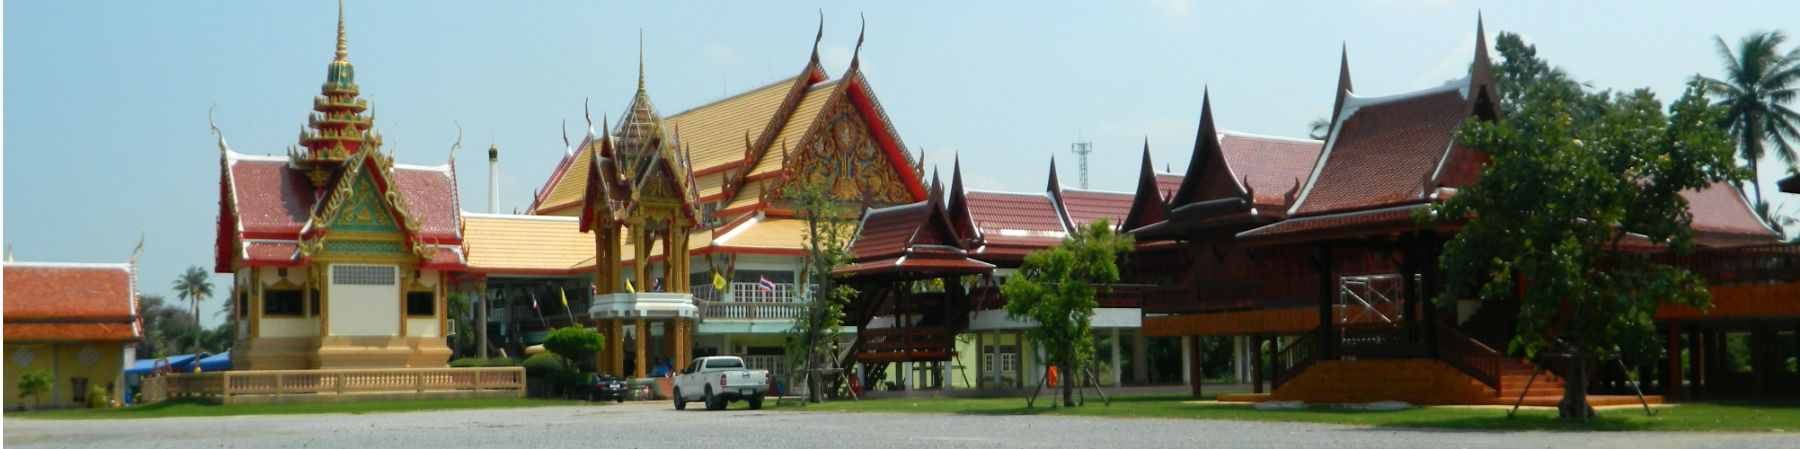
1270	167
48	301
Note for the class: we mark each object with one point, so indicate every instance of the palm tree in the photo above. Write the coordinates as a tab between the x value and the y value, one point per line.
1759	82
194	285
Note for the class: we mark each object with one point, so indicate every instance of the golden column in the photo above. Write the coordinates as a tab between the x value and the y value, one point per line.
643	334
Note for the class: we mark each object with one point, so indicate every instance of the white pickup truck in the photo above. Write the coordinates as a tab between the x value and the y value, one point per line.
717	381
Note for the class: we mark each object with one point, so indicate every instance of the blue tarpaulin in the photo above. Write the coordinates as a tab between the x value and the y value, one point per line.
218	362
180	363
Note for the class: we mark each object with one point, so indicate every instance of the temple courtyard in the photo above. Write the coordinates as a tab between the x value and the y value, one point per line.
658	425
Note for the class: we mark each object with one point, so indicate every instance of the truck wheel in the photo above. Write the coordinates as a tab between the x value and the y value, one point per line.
680	404
712	402
756	402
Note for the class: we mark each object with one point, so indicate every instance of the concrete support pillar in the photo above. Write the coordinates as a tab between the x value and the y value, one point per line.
1140	358
643	335
1187	372
1118	370
1256	363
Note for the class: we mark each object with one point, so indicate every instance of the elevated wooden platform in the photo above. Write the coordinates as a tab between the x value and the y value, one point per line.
1422	382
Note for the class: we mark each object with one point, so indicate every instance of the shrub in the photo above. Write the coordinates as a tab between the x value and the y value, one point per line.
34	384
97	397
543	364
477	362
574	341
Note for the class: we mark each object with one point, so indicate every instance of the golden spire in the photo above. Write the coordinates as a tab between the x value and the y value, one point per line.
343	50
640	59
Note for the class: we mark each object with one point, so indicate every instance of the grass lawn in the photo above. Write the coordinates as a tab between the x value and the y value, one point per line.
181	408
1719	416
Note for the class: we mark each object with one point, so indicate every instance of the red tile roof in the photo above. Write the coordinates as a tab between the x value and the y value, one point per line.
1085	206
270	253
69	301
1385	150
886	232
430	194
1723	218
271	199
1168	183
275	202
1272	166
1015	214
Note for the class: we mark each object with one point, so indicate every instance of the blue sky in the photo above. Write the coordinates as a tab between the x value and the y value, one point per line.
105	130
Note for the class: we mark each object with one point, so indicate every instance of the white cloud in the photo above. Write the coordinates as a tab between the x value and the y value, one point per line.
1455	63
1173	10
721	54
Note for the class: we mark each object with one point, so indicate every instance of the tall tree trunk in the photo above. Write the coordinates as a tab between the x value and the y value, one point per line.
1758	186
1068	385
1574	404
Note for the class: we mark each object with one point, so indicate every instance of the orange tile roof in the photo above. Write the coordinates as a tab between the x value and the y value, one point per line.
70	301
1384	150
521	243
715	132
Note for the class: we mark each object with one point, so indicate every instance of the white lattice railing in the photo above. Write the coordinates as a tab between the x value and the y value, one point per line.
749	310
230	386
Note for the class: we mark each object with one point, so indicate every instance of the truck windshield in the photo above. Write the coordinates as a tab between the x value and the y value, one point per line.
725	363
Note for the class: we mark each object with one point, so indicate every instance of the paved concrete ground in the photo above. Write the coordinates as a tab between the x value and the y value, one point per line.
659	426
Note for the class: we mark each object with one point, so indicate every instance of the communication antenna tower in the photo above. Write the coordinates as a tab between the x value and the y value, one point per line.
1081	149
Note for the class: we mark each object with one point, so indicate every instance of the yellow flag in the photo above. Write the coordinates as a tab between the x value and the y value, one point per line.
718	282
628	286
565	298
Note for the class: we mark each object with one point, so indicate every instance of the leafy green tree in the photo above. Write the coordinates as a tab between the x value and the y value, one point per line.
33	385
458	307
1519	70
194	286
1565	192
830	225
1759	83
1056	287
573	342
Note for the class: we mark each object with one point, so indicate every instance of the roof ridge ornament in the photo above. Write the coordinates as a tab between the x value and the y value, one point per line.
224	149
818	37
640	60
856	56
568	149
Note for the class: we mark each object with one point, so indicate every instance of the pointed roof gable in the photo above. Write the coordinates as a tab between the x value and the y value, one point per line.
1208	176
1392	150
916	239
1149	204
957	205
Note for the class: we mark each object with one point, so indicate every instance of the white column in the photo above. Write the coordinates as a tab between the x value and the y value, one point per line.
906	375
946	379
1117	369
1186	364
726	350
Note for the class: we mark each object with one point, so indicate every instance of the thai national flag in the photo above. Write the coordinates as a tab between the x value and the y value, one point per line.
765	285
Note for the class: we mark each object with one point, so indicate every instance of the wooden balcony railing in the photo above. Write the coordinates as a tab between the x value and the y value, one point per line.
749	310
274	385
1227	296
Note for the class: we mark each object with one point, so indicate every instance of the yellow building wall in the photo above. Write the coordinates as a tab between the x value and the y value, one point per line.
64	361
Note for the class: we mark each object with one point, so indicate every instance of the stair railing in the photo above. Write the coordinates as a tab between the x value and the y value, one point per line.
1299	354
1468	355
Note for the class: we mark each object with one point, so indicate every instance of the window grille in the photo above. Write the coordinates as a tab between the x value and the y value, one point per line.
363	275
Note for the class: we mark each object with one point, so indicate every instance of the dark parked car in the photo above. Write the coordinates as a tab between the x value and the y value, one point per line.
604	386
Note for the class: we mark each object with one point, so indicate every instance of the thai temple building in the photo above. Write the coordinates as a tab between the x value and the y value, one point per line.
340	257
678	236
